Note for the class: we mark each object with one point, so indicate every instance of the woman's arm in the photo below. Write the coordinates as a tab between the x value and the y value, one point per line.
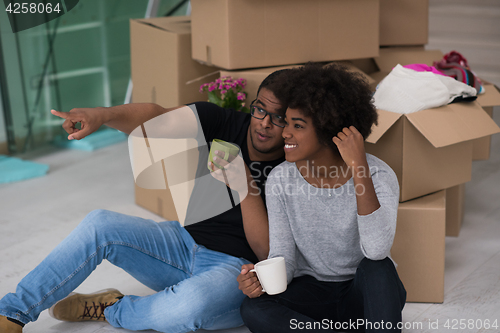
351	147
255	220
237	176
377	205
281	239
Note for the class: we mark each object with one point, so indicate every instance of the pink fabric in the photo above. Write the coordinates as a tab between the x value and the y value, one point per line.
424	68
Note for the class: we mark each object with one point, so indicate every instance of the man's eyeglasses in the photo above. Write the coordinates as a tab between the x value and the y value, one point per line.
260	113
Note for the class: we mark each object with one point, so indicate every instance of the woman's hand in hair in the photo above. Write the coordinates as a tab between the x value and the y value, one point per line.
351	146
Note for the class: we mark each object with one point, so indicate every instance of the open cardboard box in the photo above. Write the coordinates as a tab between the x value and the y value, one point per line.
236	34
255	77
430	150
419	247
379	67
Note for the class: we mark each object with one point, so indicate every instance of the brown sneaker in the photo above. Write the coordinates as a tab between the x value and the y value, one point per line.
82	307
7	326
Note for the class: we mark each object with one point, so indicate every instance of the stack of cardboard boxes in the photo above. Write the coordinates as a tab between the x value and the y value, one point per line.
431	151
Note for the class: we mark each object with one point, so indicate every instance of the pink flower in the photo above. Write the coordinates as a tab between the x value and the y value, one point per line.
241	96
202	87
212	87
227	86
223	92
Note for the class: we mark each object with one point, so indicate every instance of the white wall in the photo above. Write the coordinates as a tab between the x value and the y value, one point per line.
471	27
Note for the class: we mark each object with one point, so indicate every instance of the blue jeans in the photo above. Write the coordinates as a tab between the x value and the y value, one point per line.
375	297
195	287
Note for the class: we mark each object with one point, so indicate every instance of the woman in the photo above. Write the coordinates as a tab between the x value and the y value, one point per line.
332	215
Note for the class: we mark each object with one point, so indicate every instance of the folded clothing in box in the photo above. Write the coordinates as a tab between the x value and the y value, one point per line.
405	90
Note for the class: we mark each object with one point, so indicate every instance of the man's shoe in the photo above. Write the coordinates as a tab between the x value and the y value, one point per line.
82	307
7	326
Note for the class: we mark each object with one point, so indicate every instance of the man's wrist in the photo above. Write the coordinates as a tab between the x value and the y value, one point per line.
106	114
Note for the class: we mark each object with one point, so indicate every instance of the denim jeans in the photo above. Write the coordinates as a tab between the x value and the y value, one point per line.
195	287
375	295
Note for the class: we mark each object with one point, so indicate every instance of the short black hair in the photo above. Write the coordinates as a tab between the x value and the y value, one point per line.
277	83
333	97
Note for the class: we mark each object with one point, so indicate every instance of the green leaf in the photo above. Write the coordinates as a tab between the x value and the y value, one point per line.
214	98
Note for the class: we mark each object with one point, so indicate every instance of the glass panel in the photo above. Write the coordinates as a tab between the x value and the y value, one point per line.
80	59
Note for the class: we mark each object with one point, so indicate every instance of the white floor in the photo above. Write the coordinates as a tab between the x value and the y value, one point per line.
37	214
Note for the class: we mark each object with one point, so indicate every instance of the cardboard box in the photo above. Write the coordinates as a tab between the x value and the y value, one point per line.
455	201
389	57
161	67
481	146
419	247
236	34
161	62
488	100
159	202
255	77
404	22
429	150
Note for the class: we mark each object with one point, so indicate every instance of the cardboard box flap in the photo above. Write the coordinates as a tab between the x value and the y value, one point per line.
491	96
453	123
385	120
178	24
390	57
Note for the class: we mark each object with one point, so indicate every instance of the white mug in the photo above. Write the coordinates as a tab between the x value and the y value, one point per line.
272	275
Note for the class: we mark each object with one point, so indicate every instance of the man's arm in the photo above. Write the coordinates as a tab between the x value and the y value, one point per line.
237	176
255	221
124	118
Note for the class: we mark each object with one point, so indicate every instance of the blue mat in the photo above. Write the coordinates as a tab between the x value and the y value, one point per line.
93	141
13	169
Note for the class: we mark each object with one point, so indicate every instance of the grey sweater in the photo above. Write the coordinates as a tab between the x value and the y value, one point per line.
318	230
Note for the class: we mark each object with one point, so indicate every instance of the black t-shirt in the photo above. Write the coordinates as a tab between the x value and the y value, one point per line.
224	232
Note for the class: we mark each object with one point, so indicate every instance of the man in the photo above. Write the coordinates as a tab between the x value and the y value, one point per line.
193	269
